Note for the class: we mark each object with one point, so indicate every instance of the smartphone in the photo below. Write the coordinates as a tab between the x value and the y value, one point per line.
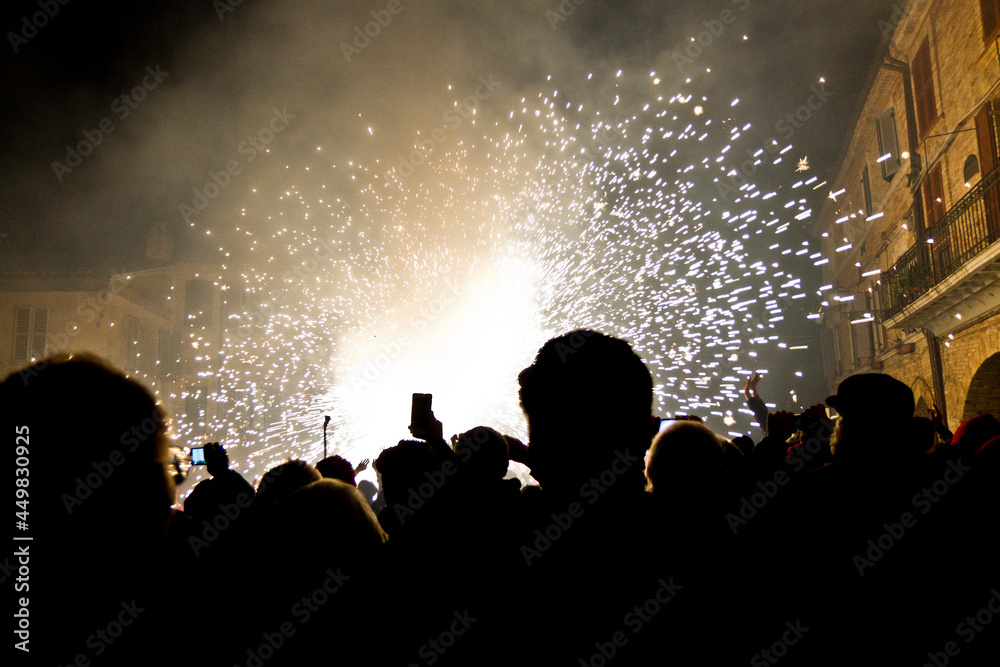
420	411
198	456
665	424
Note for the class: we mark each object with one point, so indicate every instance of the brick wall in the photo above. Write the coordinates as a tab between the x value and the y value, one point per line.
962	357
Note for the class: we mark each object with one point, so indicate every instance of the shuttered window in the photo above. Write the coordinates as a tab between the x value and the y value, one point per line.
934	206
888	144
990	11
30	327
923	88
866	188
862	342
986	138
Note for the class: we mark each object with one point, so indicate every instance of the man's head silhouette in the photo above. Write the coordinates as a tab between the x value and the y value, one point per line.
588	400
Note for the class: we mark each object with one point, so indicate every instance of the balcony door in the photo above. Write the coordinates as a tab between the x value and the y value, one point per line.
989	159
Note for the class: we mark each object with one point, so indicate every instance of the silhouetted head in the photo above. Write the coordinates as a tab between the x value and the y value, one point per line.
336	467
588	400
403	467
219	495
98	448
686	461
281	480
483	455
326	519
875	415
368	490
972	433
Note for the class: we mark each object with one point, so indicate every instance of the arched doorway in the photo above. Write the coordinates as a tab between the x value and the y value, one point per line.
984	390
923	397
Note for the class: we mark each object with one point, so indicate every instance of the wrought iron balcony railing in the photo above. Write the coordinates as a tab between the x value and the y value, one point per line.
971	226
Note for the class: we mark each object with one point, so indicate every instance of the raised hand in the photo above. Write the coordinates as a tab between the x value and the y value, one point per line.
434	431
216	459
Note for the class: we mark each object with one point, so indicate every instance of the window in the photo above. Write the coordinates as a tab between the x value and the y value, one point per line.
198	302
30	325
888	144
923	88
861	337
164	355
196	405
838	365
934	208
989	159
990	11
877	328
866	186
986	138
132	327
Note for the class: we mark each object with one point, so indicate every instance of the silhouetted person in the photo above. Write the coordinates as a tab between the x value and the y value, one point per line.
281	480
337	467
861	542
100	513
370	492
592	552
318	551
971	434
687	466
225	487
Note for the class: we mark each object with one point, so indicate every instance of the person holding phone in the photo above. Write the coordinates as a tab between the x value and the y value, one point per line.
225	487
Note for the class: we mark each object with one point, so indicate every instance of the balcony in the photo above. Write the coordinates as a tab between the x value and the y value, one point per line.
956	274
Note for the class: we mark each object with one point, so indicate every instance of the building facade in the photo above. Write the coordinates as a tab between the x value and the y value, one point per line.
160	321
911	230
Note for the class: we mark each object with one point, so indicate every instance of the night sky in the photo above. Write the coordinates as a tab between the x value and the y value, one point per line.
224	68
172	95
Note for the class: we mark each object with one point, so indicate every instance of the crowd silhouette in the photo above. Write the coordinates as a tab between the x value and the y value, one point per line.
867	539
